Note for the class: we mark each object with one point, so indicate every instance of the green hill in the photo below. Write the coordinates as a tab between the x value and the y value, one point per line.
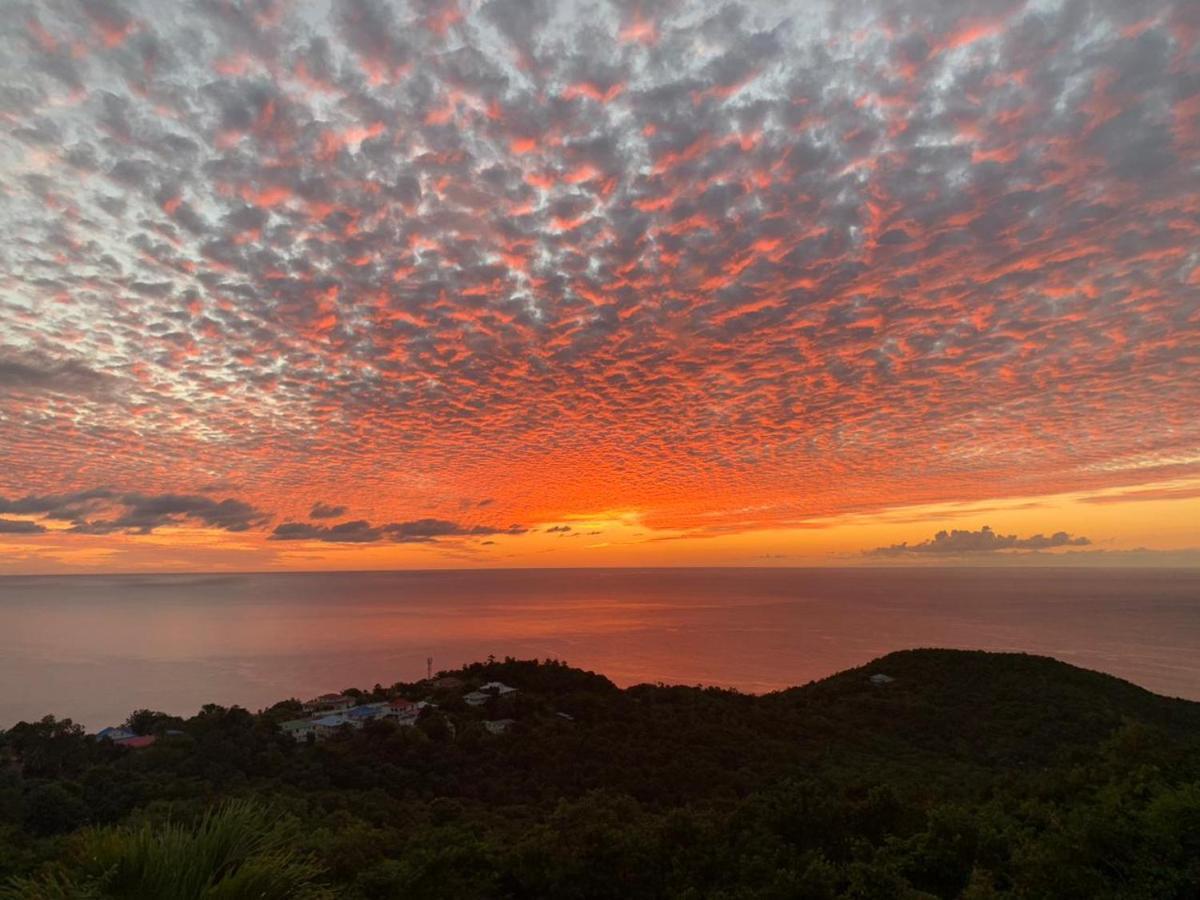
959	774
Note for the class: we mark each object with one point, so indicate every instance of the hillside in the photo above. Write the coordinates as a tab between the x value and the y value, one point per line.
958	774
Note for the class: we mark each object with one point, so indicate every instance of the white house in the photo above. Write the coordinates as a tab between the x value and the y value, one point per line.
487	692
879	679
500	688
323	725
299	729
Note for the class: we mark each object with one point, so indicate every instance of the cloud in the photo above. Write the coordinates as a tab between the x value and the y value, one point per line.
357	531
34	372
104	511
69	506
1181	492
145	512
984	540
20	526
430	529
360	531
403	254
326	511
559	528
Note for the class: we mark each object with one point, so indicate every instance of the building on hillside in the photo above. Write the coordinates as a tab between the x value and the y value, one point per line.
498	726
116	733
499	687
880	679
137	741
402	710
323	725
328	703
357	715
486	692
300	729
327	726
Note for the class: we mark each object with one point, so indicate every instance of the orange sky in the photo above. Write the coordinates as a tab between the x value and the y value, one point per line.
1153	526
373	287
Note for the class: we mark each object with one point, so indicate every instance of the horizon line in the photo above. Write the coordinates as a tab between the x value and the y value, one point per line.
912	566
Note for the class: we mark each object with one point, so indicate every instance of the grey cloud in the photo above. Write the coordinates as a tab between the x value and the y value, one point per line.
136	512
20	526
361	531
985	540
429	529
31	371
358	531
66	507
145	512
326	511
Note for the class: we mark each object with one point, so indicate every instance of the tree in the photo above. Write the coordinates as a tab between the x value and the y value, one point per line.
49	748
149	721
53	809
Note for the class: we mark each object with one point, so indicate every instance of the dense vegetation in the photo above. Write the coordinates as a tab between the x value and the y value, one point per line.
970	775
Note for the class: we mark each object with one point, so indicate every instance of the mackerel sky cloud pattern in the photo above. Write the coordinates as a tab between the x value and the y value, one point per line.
477	264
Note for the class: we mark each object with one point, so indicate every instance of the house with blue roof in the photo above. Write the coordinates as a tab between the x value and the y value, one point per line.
116	733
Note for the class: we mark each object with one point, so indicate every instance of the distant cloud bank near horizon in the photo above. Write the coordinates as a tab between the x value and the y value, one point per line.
985	540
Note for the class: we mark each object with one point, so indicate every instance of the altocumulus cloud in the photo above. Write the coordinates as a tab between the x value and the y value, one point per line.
985	540
246	230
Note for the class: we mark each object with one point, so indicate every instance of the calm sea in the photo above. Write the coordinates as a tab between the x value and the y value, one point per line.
95	648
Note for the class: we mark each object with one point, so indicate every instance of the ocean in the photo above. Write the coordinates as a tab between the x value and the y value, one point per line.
94	648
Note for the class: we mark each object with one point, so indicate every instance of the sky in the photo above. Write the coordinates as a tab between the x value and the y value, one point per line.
527	283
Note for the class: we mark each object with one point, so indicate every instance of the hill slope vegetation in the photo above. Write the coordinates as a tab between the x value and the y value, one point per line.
966	774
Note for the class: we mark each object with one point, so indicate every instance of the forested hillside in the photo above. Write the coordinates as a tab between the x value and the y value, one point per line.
965	774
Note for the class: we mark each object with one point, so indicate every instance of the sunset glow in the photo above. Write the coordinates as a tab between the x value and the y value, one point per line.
351	285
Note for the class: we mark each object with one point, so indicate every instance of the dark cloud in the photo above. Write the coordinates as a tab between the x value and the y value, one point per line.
357	531
143	513
558	528
65	507
26	371
984	540
429	529
104	511
360	531
20	526
326	511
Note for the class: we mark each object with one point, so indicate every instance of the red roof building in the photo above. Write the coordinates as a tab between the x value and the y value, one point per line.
400	708
137	742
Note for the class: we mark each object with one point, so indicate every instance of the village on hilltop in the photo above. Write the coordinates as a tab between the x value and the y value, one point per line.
328	714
